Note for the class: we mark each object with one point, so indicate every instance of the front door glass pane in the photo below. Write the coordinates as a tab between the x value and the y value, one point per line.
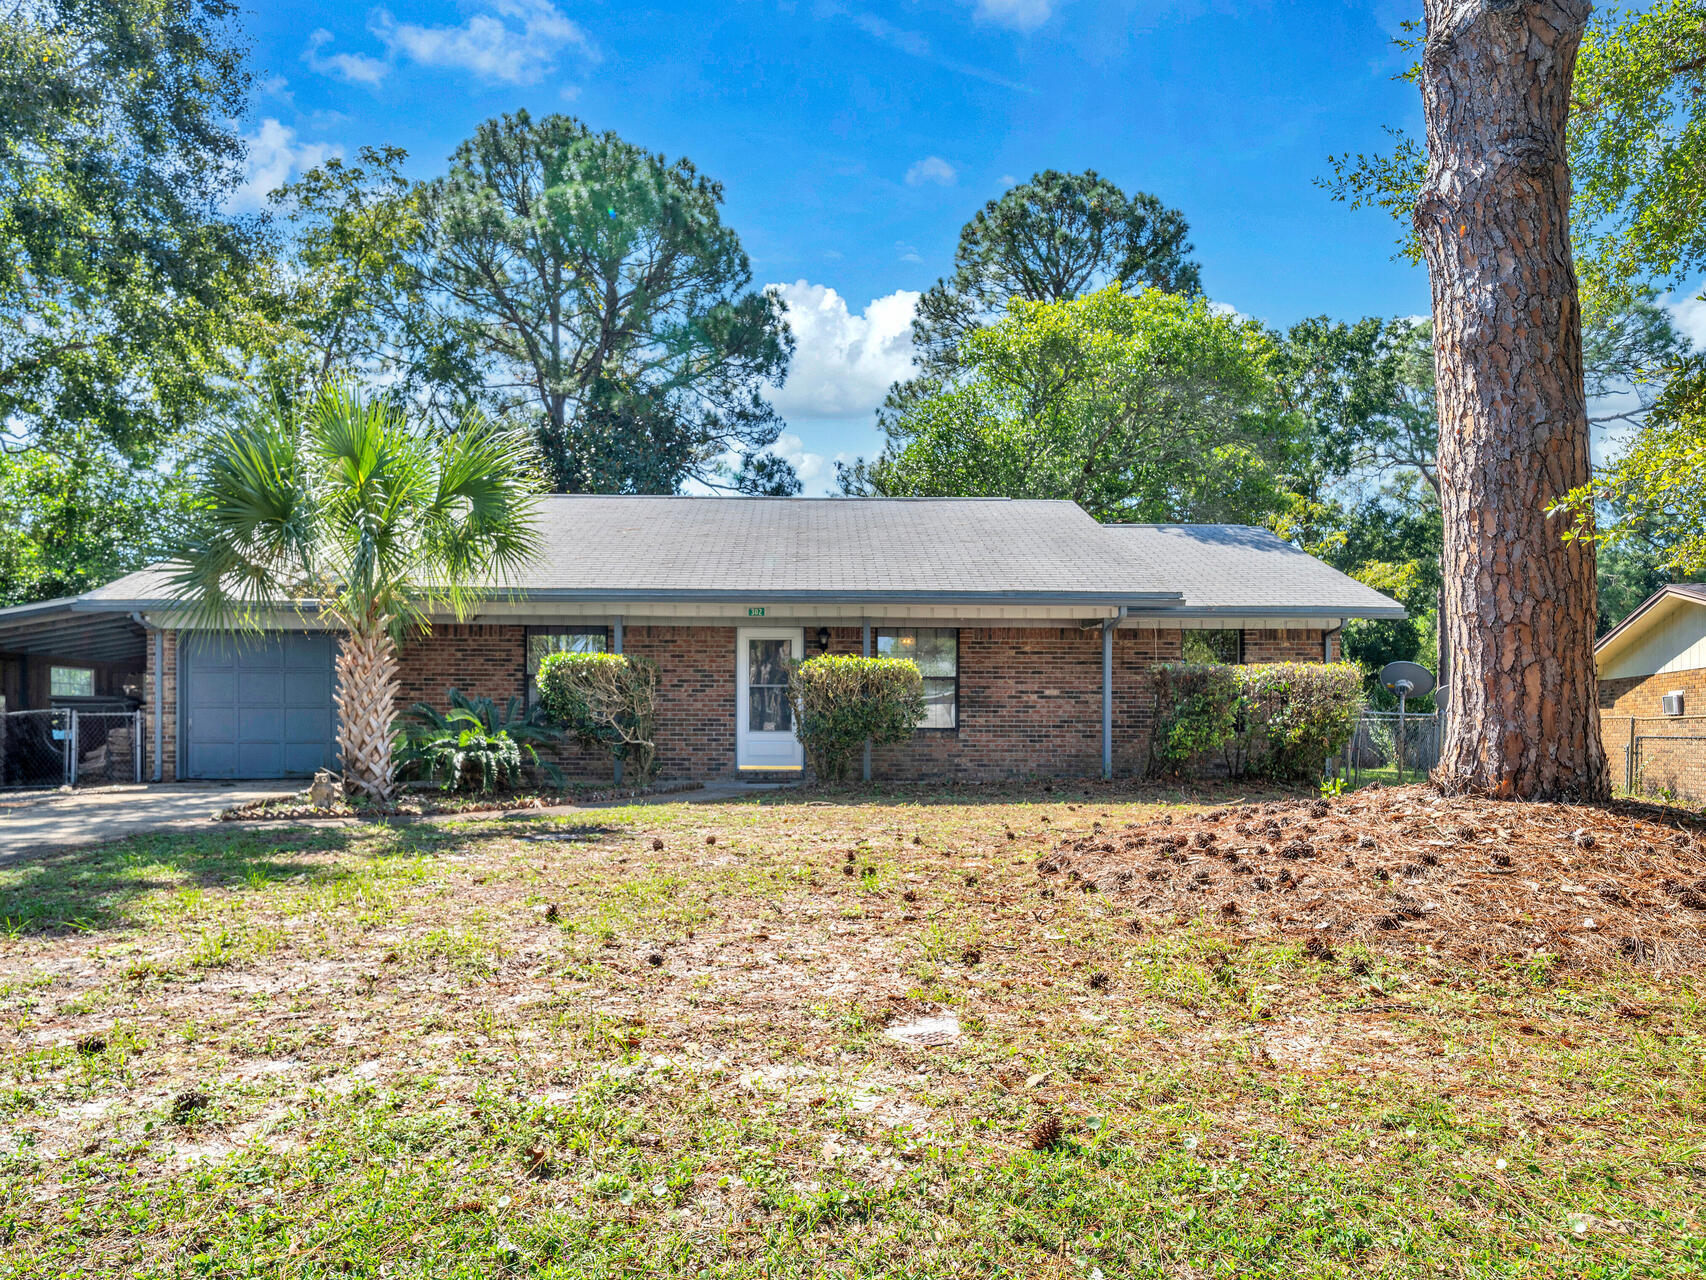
767	687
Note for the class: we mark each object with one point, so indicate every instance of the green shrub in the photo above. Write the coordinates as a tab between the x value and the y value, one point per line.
1196	713
1293	716
606	700
474	744
1278	720
842	702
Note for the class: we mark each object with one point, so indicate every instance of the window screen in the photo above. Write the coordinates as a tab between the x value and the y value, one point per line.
936	650
71	682
1214	646
543	642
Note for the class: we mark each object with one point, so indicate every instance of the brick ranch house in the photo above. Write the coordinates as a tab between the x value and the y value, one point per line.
1034	625
1652	694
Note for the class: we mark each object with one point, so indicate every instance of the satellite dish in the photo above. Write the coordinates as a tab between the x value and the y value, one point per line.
1407	679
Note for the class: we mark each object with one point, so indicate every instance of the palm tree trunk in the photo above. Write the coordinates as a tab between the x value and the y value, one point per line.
366	696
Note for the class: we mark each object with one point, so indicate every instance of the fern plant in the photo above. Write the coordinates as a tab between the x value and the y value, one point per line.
474	744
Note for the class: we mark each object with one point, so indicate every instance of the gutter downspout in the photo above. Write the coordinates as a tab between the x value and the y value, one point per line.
1327	641
865	651
616	645
1108	693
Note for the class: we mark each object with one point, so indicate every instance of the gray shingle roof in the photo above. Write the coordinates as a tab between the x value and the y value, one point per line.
690	548
1236	567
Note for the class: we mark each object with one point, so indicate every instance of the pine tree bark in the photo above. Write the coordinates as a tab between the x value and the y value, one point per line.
366	699
1493	216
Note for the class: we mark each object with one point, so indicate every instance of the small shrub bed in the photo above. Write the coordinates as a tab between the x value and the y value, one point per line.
842	702
1276	720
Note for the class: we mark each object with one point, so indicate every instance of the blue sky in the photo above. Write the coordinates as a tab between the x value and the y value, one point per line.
853	140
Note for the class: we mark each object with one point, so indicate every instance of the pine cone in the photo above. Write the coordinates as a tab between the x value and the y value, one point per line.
1046	1134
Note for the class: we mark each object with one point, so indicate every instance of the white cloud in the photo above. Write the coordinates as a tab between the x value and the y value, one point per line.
792	450
932	169
1689	311
274	157
1021	15
516	42
843	363
354	68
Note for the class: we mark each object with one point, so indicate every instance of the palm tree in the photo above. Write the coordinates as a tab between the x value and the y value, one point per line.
351	512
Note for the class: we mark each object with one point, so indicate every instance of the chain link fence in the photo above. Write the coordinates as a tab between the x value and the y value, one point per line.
69	747
1390	748
1659	756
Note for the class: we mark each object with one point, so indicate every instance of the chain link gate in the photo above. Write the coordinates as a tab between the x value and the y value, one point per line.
1390	747
70	747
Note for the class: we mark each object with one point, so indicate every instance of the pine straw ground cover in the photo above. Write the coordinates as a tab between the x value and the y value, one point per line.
663	1043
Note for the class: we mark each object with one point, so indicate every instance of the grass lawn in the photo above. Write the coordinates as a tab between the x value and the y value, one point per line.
665	1043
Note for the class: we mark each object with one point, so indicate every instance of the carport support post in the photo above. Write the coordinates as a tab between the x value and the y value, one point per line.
865	651
1108	697
616	644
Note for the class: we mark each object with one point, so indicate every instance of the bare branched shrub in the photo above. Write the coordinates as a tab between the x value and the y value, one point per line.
606	700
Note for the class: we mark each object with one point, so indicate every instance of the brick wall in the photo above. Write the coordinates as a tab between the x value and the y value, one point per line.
696	697
1286	646
484	661
1648	751
169	723
1030	697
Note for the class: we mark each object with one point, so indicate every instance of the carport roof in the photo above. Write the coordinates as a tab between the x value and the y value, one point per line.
74	629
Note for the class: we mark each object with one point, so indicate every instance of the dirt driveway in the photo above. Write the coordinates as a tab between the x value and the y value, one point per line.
34	821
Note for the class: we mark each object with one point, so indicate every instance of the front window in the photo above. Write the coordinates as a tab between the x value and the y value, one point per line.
71	682
1214	646
936	650
544	641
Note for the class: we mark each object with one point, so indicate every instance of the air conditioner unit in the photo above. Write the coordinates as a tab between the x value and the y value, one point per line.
1672	703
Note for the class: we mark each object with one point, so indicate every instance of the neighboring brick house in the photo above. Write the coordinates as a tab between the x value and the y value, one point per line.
1034	625
1652	695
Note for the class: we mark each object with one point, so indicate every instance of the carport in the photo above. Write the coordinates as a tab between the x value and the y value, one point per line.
72	683
82	677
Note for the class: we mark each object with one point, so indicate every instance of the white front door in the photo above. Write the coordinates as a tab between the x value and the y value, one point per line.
764	722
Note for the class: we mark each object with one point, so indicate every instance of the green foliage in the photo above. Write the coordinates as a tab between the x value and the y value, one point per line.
120	289
474	743
1637	140
1659	482
1052	239
592	285
841	702
355	507
1136	406
81	513
1196	713
1294	716
349	299
606	700
1279	720
462	756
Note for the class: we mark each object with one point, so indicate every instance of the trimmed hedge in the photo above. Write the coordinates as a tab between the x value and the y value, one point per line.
607	700
1277	720
842	702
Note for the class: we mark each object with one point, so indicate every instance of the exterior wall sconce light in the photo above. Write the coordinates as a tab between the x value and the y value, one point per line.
823	639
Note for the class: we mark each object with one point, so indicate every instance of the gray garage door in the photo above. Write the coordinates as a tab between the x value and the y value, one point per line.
257	706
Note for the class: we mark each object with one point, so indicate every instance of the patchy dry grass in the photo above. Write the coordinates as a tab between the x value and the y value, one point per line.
665	1043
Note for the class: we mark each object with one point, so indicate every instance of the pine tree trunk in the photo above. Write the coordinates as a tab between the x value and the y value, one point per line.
1493	216
366	697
